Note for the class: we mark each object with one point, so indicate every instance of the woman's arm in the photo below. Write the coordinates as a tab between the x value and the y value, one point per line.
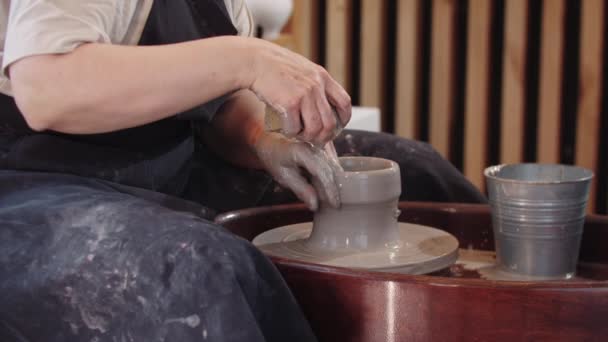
236	128
100	87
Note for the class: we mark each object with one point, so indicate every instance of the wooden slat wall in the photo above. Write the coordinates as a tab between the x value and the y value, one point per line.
514	81
338	41
442	74
551	76
408	68
477	90
504	95
372	91
305	28
590	81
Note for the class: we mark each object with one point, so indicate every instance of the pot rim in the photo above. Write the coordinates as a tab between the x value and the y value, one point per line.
388	167
491	174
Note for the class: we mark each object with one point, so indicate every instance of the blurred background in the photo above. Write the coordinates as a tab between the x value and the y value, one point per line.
484	81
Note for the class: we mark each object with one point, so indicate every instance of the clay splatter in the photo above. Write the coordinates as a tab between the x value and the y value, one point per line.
192	321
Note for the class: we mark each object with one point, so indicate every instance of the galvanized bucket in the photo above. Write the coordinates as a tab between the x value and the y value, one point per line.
538	211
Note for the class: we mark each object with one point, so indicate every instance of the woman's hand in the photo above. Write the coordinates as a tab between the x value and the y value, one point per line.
285	160
300	90
237	135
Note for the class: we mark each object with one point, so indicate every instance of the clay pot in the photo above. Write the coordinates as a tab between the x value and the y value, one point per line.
369	191
364	232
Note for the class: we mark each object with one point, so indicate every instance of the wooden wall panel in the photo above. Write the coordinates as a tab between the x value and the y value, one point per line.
477	90
514	81
305	26
551	77
408	68
338	42
590	88
442	75
514	92
372	67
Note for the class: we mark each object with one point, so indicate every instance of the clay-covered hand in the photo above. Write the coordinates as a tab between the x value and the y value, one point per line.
286	159
301	91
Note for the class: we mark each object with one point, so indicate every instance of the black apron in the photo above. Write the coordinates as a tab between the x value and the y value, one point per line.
155	156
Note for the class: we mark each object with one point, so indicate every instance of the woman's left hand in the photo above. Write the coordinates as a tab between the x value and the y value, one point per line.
285	159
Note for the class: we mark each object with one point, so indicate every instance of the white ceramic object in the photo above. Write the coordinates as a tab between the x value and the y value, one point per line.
270	15
365	119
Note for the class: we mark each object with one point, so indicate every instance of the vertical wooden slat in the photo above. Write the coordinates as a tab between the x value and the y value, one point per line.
590	83
373	51
442	75
338	45
514	81
305	28
477	89
551	77
408	68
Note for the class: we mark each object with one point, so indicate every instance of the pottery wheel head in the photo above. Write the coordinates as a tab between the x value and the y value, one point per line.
419	250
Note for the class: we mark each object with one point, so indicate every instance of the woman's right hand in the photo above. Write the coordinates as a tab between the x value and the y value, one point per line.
300	90
287	161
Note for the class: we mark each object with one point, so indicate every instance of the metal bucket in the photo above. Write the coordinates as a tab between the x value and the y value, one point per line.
538	212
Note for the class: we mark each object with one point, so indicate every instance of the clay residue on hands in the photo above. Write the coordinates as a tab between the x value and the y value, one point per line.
286	159
332	155
276	119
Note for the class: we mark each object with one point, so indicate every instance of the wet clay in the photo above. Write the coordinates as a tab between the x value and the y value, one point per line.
364	232
419	250
367	219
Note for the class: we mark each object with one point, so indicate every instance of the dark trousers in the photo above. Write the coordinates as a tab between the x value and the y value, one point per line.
88	260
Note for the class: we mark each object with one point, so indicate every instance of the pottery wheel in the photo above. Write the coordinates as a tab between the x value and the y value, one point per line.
421	250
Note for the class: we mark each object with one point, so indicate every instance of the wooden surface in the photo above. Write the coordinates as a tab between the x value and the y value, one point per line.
442	75
551	77
407	91
477	90
514	81
590	80
372	89
338	41
355	305
306	28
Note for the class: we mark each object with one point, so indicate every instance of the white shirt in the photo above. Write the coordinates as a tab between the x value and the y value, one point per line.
36	27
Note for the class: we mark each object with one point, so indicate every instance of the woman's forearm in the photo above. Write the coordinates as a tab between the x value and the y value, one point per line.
101	88
235	129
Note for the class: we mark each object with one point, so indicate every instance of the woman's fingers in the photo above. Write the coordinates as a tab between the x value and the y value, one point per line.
302	92
313	123
339	98
317	165
292	179
328	116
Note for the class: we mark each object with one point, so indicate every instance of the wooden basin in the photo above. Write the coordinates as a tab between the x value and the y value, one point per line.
354	305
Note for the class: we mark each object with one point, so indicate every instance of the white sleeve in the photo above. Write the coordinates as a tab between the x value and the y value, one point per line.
37	27
241	17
